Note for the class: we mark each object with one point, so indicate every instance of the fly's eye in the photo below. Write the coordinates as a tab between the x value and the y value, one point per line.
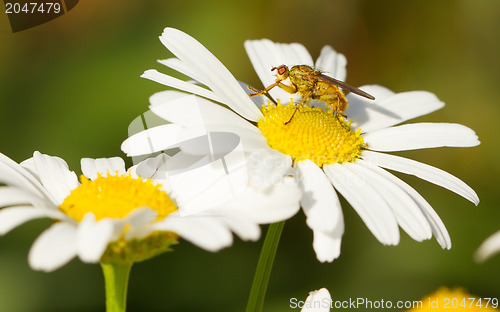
281	70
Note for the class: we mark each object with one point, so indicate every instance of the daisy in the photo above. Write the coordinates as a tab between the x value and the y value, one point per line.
113	215
327	154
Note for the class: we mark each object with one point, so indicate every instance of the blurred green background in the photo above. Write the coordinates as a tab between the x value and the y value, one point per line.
71	87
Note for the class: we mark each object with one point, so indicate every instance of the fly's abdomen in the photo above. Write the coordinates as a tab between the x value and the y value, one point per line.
331	95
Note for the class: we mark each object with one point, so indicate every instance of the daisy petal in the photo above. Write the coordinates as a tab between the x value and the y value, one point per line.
29	165
259	101
93	237
318	301
12	217
91	168
211	71
332	63
327	245
55	247
278	203
151	168
139	221
488	248
11	196
189	110
406	211
241	225
11	173
55	176
389	109
423	171
421	135
367	202
163	79
265	54
159	138
319	201
267	166
179	66
437	225
205	232
211	183
217	144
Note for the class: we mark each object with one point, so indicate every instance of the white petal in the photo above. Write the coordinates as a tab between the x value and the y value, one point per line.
179	163
437	225
241	225
156	76
208	233
389	109
319	201
211	71
214	183
11	173
92	167
140	221
367	202
267	166
93	237
179	66
488	248
327	244
29	165
277	203
12	217
159	138
259	101
55	247
189	110
10	196
55	176
423	171
151	167
318	301
421	135
406	211
265	54
214	144
332	63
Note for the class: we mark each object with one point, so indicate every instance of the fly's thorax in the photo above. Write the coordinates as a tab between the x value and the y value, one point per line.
297	78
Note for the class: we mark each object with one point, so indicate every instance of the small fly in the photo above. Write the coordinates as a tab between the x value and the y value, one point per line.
311	83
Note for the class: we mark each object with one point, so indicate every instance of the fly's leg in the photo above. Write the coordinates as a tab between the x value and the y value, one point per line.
304	98
257	92
290	89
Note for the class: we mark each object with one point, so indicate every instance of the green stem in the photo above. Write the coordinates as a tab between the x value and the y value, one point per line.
116	282
263	272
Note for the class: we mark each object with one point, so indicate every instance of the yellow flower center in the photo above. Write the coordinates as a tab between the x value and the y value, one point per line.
445	299
312	133
116	197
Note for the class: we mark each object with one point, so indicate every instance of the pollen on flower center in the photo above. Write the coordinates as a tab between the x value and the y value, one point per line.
115	197
313	133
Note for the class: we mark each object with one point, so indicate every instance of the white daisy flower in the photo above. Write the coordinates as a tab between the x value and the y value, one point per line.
115	215
326	153
488	248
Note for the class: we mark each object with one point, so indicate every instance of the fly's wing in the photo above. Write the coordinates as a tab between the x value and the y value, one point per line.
343	85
